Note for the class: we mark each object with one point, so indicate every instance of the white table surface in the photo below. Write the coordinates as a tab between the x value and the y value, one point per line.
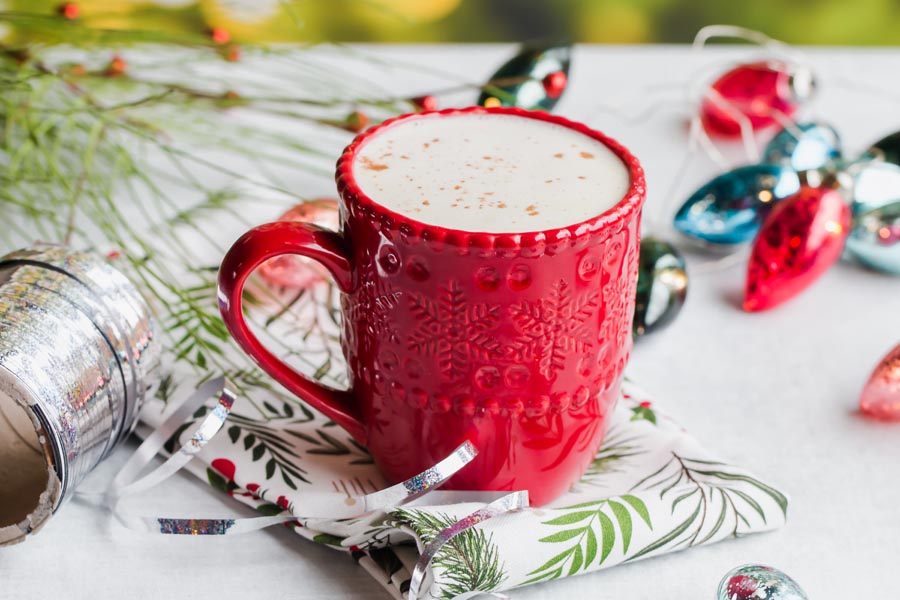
775	392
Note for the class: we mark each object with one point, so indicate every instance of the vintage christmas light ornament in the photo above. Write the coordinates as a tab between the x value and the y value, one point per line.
730	209
800	239
661	288
763	93
880	397
804	146
887	148
294	272
875	184
875	239
535	79
758	582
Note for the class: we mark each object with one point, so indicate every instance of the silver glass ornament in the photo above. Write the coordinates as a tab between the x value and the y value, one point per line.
804	146
758	582
875	239
875	184
661	288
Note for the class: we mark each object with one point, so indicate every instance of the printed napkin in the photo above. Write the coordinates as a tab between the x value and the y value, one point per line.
651	489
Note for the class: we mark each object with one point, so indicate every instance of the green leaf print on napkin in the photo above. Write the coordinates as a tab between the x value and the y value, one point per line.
593	531
708	484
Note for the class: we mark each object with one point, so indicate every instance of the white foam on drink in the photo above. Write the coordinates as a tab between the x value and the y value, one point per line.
490	173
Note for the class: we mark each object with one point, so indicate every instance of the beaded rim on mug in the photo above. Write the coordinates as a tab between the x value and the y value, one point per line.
533	243
77	356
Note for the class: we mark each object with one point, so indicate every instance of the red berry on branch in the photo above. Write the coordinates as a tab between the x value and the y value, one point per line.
645	404
69	10
555	83
220	35
116	67
282	502
356	121
428	102
232	53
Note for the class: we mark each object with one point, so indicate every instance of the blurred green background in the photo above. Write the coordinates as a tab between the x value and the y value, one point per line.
857	22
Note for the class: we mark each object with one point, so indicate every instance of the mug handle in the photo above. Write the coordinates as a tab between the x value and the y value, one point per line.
248	252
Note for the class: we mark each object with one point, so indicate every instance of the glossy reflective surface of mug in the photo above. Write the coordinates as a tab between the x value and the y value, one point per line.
515	341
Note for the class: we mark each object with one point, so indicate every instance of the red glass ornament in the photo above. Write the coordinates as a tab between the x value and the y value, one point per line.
881	396
428	102
69	10
555	83
760	91
802	236
220	35
295	272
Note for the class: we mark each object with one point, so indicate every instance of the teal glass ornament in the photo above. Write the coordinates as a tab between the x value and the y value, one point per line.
534	79
875	184
661	287
730	209
804	146
875	239
888	148
758	582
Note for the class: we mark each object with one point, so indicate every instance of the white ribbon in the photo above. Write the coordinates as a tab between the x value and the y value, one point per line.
324	505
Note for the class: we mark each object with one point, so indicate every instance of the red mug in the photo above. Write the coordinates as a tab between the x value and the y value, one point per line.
514	341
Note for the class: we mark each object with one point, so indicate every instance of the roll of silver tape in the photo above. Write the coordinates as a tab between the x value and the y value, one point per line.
78	354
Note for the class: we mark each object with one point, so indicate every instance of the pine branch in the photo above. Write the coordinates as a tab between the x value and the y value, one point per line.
470	561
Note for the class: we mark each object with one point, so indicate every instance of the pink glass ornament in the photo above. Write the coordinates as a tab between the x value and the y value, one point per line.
881	395
802	236
294	272
761	92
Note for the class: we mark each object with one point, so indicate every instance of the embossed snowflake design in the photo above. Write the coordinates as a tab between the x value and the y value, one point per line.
375	310
381	319
554	327
453	330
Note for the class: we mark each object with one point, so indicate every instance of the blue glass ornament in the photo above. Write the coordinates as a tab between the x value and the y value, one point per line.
730	209
875	185
875	239
521	81
757	582
804	146
661	287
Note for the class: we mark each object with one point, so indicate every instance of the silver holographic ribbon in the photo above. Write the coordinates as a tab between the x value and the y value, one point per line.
78	353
